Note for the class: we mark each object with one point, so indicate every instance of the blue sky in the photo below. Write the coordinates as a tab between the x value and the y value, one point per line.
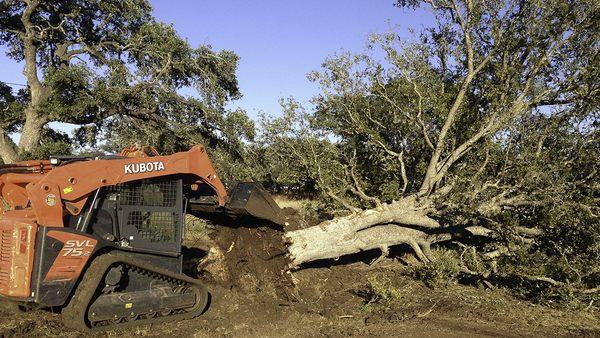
278	42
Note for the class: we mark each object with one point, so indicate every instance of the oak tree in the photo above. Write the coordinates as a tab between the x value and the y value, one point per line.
482	126
118	74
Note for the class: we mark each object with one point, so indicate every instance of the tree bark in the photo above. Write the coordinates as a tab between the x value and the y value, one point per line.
30	135
431	175
8	148
34	120
402	222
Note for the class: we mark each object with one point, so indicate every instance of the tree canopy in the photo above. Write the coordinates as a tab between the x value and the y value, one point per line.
116	72
483	125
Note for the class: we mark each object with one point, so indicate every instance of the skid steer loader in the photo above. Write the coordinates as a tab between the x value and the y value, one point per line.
100	237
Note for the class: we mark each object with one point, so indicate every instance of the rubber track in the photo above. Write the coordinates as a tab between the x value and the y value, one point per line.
74	314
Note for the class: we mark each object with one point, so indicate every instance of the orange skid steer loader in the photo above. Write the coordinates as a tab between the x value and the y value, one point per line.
101	236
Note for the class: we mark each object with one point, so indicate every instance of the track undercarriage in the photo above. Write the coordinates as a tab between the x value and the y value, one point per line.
121	291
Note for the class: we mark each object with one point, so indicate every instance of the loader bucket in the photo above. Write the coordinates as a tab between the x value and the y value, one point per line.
252	199
245	199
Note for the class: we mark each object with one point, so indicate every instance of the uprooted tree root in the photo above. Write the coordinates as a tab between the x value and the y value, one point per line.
246	257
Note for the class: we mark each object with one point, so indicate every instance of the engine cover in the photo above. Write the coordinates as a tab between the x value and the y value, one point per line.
17	249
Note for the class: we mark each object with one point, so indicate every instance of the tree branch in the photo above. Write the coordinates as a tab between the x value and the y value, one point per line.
420	111
357	190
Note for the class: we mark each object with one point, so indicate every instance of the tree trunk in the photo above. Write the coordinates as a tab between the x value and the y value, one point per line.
402	222
8	151
34	119
30	135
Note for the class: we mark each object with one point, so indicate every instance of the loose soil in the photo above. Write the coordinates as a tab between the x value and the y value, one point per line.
252	296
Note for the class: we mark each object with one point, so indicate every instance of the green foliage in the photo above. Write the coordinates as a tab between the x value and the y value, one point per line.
11	107
57	143
48	149
475	261
552	160
118	73
380	290
442	271
568	278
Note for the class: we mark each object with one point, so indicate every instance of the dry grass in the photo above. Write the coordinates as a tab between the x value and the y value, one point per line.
307	212
197	227
286	202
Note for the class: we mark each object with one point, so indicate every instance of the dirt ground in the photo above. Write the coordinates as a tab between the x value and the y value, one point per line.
254	298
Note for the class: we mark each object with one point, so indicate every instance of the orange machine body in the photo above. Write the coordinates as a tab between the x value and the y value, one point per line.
17	239
37	196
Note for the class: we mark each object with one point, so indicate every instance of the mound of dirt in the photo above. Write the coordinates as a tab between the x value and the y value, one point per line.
254	260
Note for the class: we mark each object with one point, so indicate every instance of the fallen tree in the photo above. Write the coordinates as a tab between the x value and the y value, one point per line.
482	130
370	229
401	222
